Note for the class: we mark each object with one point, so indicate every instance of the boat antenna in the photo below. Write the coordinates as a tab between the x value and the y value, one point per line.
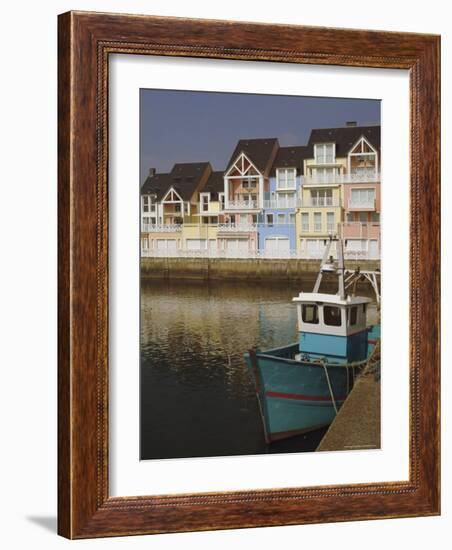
340	268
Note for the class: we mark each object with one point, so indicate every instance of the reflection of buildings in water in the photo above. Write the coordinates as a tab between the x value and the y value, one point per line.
185	324
212	325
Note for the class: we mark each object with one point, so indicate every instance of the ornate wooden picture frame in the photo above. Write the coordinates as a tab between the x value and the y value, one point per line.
86	40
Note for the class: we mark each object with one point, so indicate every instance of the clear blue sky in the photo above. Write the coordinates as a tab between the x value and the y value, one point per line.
184	126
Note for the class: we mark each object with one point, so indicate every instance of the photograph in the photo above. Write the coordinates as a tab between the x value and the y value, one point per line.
260	274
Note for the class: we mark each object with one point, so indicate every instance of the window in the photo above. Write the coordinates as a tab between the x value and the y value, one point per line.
145	244
363	217
254	218
146	220
281	218
362	198
177	207
146	203
321	197
332	316
221	199
363	161
317	221
325	153
330	222
375	217
353	315
285	178
310	313
205	202
270	219
292	218
249	183
305	221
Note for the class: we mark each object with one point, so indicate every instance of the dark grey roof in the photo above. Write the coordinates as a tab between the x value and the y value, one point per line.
291	157
157	184
260	151
184	178
187	176
214	185
345	137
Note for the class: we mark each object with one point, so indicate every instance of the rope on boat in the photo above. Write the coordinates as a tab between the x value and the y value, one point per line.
329	387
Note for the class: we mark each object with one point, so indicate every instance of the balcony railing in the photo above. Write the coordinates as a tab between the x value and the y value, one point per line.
359	230
236	227
325	159
321	201
354	255
282	203
242	205
161	228
333	179
361	203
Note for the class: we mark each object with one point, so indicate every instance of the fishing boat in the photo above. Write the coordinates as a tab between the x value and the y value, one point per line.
301	387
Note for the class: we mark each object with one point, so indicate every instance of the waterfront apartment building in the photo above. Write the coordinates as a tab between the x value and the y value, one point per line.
270	201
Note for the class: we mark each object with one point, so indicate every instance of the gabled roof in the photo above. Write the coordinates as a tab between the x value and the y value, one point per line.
345	137
184	178
291	157
214	185
158	185
260	152
187	176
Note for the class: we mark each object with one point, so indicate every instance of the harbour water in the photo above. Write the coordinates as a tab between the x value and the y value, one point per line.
197	397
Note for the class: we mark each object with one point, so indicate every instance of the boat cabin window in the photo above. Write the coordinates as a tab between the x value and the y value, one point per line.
353	315
310	313
332	316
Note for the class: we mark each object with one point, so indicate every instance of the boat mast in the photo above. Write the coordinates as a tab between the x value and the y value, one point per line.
324	259
340	269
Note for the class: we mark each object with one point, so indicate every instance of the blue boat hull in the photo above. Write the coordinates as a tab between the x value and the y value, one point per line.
297	396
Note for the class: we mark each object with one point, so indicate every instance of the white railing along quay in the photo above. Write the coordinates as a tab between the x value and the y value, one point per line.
253	254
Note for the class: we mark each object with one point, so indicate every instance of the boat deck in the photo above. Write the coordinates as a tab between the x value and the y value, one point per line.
357	424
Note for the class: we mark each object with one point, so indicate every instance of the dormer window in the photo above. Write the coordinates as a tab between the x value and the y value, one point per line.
205	202
325	153
285	178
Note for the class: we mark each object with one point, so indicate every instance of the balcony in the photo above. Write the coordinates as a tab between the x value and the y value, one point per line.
161	228
336	179
321	201
360	230
236	227
283	203
361	203
242	205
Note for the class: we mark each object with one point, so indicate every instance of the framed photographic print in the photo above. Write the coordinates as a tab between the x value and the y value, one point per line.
248	275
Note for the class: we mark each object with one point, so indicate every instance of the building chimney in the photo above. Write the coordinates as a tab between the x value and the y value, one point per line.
351	123
152	172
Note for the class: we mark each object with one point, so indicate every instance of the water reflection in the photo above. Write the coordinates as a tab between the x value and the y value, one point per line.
197	398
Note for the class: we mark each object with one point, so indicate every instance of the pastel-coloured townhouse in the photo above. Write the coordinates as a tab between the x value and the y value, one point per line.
270	201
